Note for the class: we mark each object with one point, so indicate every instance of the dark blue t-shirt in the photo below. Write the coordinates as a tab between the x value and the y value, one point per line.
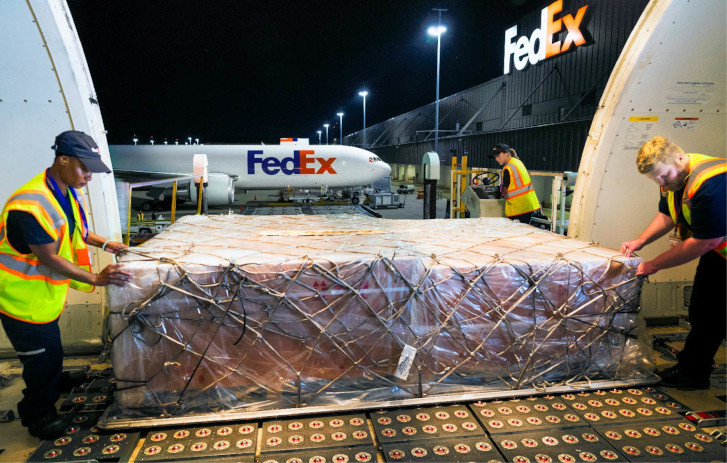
709	208
23	229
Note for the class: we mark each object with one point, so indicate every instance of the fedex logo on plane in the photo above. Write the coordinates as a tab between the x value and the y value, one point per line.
540	45
302	162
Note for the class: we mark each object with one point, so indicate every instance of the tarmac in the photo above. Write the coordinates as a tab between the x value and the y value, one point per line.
266	202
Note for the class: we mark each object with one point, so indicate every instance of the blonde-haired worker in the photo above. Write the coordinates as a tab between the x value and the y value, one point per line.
693	191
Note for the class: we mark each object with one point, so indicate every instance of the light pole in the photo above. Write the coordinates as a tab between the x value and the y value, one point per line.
319	136
152	140
190	141
326	126
437	31
135	139
363	94
340	116
196	141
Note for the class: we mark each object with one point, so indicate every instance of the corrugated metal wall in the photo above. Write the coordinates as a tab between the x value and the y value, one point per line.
543	111
553	147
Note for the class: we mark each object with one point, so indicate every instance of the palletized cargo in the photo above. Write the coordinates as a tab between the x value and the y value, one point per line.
233	313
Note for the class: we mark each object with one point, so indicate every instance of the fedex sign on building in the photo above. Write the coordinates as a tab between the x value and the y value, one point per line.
540	45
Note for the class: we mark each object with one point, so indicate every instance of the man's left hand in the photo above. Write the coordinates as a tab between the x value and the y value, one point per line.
114	247
645	269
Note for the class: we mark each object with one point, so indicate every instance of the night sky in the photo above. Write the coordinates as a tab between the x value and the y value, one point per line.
235	71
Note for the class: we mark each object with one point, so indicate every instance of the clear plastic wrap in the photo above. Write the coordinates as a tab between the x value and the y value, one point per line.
255	313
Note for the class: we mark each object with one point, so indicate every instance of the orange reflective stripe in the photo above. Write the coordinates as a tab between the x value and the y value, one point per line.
671	202
43	322
521	197
704	172
34	277
526	191
36	199
701	169
45	221
20	265
722	249
82	257
510	170
519	178
515	176
30	290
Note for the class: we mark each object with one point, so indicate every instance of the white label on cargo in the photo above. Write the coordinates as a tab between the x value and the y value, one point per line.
405	361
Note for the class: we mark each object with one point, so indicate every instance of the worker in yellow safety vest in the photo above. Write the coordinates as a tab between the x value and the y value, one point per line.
693	204
521	202
44	238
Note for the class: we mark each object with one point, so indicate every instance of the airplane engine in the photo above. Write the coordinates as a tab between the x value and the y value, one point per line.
220	190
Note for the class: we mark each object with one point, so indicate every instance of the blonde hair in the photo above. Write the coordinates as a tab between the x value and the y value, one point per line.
513	153
658	149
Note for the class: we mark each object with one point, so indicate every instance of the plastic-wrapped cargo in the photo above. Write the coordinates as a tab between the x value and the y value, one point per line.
254	313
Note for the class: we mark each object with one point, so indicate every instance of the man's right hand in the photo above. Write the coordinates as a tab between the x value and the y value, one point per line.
113	274
629	247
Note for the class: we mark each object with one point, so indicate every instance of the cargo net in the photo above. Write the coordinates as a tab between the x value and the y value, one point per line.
253	313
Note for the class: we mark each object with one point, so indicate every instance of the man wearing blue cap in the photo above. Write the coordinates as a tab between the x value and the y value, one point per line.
44	240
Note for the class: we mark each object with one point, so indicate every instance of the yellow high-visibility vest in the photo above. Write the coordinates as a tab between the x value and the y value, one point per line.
521	197
701	168
29	290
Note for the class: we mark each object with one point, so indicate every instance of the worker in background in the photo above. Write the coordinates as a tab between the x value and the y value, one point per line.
692	204
44	240
521	202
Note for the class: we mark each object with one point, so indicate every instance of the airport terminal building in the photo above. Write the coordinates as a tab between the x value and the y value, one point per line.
541	106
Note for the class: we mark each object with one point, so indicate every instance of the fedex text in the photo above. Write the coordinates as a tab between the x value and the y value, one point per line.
540	45
302	162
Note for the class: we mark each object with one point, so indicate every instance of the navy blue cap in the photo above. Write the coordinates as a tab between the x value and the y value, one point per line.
497	149
79	145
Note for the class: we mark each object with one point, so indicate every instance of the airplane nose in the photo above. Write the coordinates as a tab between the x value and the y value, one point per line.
386	169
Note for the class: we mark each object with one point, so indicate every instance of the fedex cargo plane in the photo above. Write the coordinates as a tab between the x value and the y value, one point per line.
292	164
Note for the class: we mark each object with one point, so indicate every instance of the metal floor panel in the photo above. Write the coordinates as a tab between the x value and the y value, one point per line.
531	414
672	440
565	445
619	406
539	429
360	454
88	401
87	444
314	433
425	423
470	448
102	386
665	399
212	442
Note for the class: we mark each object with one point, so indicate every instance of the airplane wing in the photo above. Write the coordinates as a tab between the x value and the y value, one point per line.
139	176
220	191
